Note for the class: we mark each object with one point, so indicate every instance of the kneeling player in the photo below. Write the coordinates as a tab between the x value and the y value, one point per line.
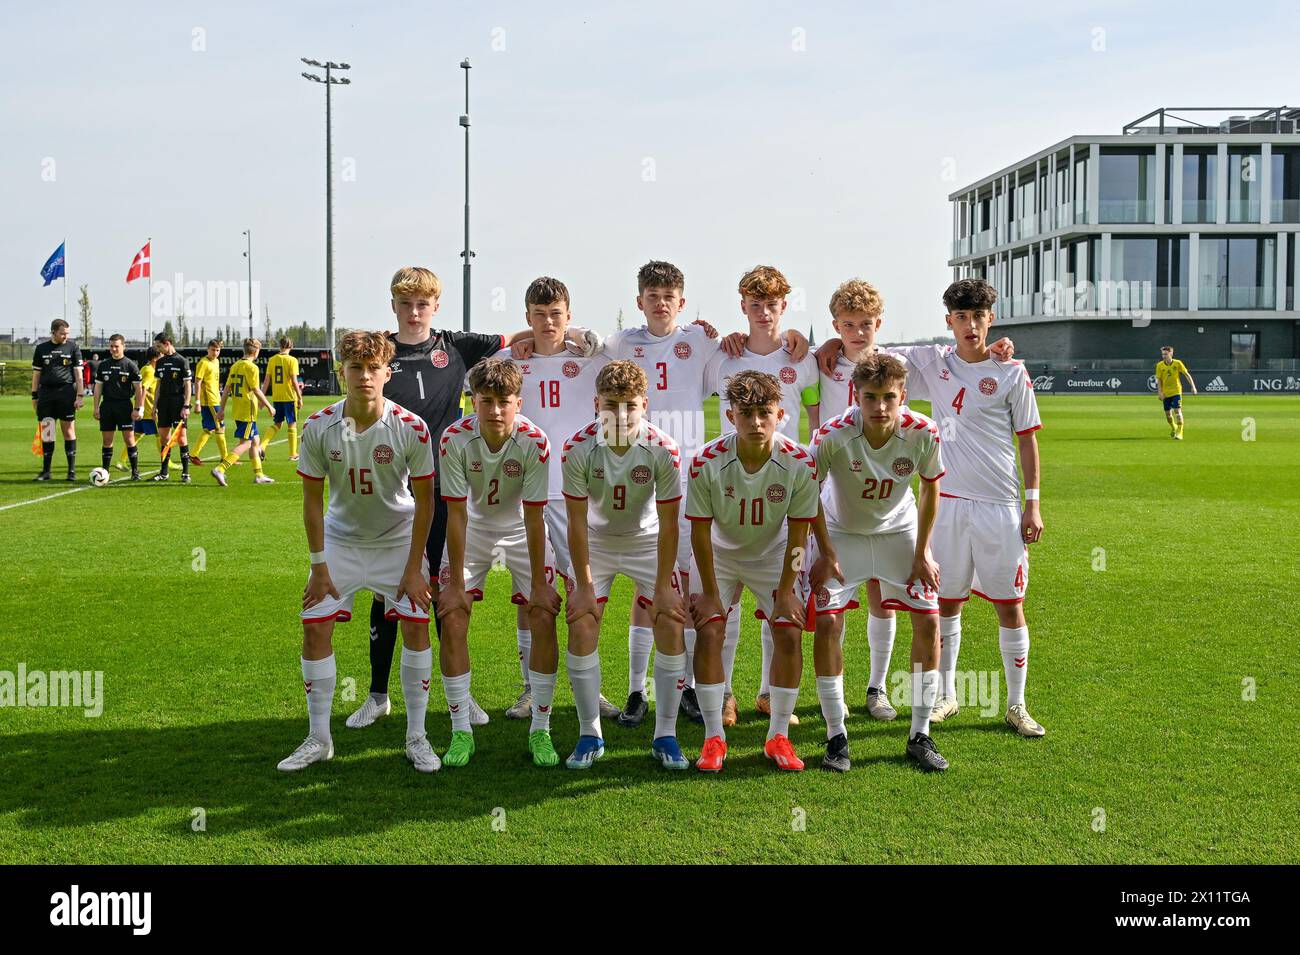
372	538
865	460
493	468
622	488
742	489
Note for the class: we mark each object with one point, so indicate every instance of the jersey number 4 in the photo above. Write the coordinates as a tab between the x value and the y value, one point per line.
360	478
959	401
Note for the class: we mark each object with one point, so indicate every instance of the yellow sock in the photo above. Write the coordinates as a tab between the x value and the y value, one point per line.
1180	427
293	440
227	461
197	450
221	444
270	435
257	464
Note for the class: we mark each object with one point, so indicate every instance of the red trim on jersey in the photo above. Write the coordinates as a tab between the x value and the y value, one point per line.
503	341
801	520
892	604
955	497
669	500
341	615
1028	430
601	600
851	605
573	497
310	477
422	477
446	498
536	503
692	518
776	623
394	615
998	600
935	478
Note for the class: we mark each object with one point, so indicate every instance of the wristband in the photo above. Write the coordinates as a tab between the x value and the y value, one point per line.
317	557
33	396
1031	494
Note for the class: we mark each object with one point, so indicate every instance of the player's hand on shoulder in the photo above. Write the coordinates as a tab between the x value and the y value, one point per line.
828	355
415	585
926	571
823	569
668	603
522	350
1003	349
796	344
545	597
788	606
1031	523
734	344
319	586
582	601
708	329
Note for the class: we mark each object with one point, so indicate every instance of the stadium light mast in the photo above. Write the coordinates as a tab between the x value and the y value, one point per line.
248	254
467	254
328	81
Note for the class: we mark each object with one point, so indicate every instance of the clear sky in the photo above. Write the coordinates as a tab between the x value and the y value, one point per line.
822	138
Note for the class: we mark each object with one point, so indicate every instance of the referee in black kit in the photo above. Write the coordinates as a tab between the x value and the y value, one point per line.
429	370
119	402
172	404
56	395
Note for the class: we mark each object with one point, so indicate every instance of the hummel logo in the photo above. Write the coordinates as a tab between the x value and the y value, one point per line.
455	707
1020	663
425	684
307	685
681	683
543	709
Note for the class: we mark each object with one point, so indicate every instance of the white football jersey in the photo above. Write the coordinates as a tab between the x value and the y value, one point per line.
676	366
370	504
868	490
980	407
559	391
799	382
749	511
622	490
837	394
496	484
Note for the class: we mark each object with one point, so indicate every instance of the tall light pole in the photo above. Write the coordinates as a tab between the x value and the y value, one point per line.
466	254
248	254
329	81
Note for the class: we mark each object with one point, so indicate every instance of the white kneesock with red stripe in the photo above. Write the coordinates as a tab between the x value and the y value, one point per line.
949	647
880	638
1014	643
764	679
670	680
417	670
640	641
710	696
318	680
731	640
925	692
584	678
524	641
543	685
830	691
689	635
456	689
784	700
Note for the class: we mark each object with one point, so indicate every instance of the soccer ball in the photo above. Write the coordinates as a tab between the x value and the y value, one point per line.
99	477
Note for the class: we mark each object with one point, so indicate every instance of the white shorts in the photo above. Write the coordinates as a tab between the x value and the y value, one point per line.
886	558
557	529
487	549
760	575
979	550
377	569
636	558
683	542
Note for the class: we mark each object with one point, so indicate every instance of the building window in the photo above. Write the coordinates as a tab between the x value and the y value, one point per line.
1200	167
1285	204
1291	256
1081	189
1244	174
1126	185
1149	273
1244	351
1237	272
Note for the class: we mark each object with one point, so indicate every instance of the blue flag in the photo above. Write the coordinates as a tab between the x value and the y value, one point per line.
53	269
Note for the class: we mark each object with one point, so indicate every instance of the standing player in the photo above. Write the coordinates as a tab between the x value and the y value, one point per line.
56	395
207	373
763	292
285	388
172	405
119	402
428	373
146	425
558	388
1169	386
244	396
866	458
623	487
380	472
986	412
744	489
494	467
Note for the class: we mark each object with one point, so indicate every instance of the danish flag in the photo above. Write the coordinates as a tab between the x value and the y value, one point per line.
139	265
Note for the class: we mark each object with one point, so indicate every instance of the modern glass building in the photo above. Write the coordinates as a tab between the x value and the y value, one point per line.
1178	230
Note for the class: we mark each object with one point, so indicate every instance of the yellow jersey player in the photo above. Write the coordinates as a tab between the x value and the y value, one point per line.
208	375
285	389
244	396
149	387
1169	386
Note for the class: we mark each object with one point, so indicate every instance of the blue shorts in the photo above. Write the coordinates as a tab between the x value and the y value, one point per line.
146	426
1174	401
210	419
245	429
285	411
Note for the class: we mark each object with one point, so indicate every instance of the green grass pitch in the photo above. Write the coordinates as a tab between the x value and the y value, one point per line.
1160	609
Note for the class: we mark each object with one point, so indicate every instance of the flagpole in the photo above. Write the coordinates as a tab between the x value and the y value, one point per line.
149	304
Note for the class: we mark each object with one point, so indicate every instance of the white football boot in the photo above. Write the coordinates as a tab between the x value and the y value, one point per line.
311	751
369	711
1018	719
421	754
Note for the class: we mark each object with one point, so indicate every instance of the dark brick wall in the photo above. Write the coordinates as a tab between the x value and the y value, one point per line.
1082	339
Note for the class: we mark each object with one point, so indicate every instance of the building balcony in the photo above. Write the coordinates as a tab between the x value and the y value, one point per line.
1194	210
1284	210
1237	296
1127	210
1243	210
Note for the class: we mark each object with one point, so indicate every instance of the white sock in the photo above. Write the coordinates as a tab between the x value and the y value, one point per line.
710	696
764	683
456	689
730	640
670	673
925	690
689	634
880	638
784	699
417	668
584	677
543	685
640	640
318	680
949	647
524	640
830	691
1014	643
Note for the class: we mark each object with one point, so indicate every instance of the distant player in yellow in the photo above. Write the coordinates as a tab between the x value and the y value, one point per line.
286	394
149	385
244	396
207	373
1169	386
